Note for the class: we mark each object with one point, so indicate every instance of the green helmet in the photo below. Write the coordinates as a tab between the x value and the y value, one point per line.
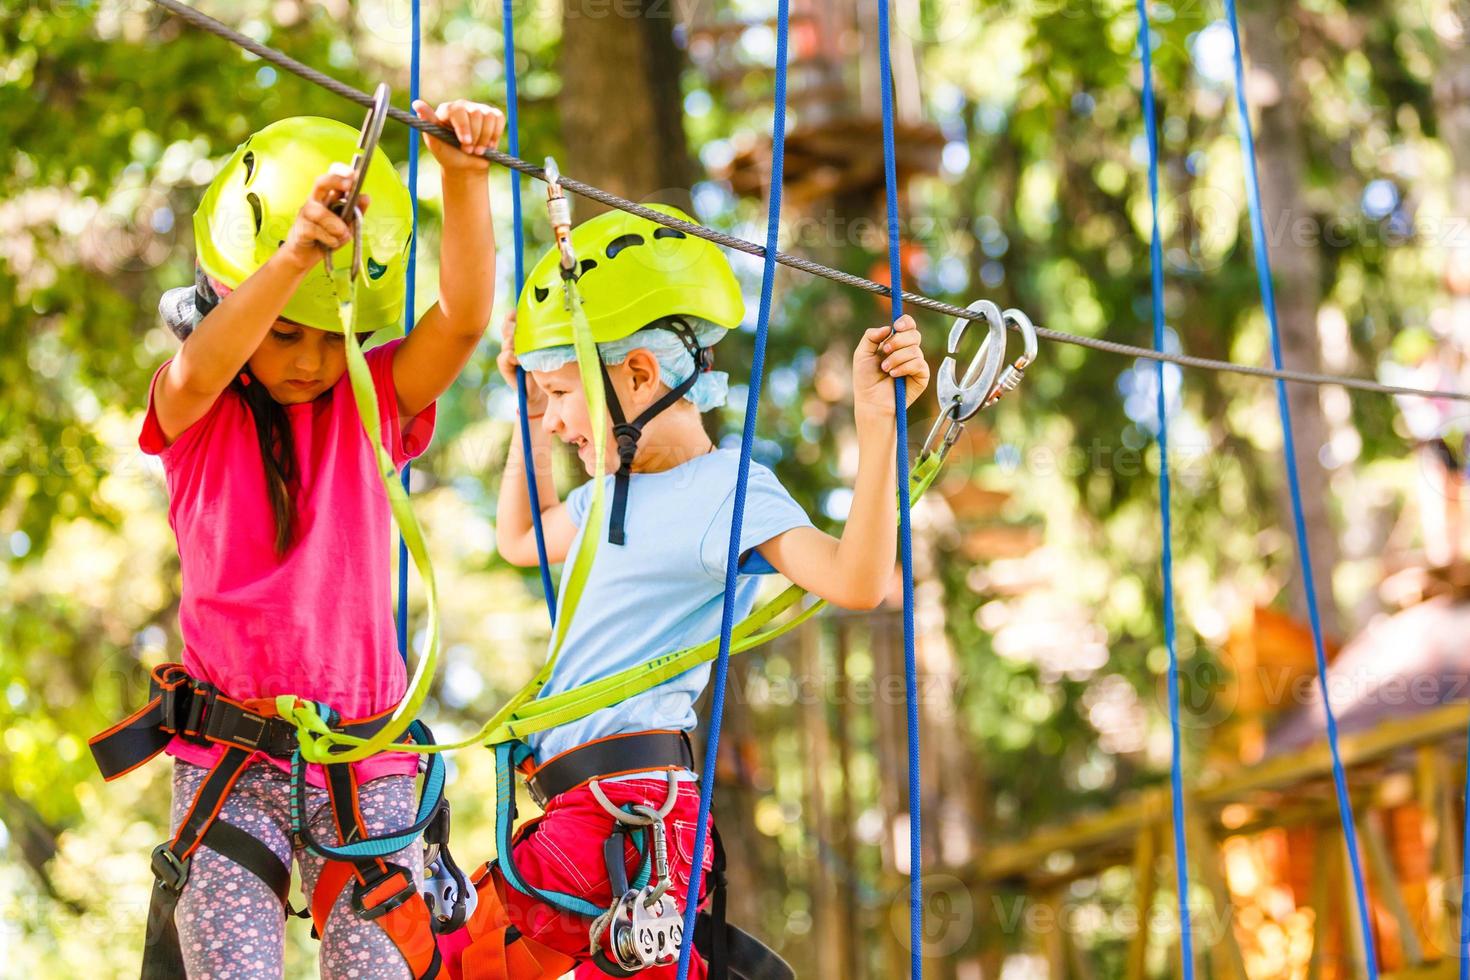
632	271
250	206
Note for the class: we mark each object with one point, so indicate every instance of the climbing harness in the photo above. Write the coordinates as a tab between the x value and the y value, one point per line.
183	707
642	926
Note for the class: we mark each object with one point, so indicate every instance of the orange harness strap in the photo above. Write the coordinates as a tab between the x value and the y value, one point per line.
490	957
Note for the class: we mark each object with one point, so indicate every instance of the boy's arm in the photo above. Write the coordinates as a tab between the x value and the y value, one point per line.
439	346
515	535
220	346
854	571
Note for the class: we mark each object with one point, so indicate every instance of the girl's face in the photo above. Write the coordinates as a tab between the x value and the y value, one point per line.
296	363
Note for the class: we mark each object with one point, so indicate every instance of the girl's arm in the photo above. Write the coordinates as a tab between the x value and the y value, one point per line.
219	347
854	571
440	345
515	535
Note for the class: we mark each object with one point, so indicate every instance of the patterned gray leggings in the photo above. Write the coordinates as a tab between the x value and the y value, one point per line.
230	924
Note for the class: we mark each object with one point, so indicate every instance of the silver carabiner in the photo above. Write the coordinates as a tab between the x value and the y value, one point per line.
346	207
1014	372
559	210
960	399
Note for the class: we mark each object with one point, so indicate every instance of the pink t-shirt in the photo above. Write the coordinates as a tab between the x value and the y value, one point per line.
317	623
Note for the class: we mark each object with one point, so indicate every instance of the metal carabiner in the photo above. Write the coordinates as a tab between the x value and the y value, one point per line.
559	210
1014	372
346	207
960	399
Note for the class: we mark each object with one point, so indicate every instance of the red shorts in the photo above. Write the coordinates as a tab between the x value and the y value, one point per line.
563	851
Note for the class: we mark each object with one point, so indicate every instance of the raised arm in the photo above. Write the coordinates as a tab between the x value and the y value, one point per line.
515	535
439	346
219	347
853	571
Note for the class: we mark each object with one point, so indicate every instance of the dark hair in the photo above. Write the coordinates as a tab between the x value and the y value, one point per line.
277	452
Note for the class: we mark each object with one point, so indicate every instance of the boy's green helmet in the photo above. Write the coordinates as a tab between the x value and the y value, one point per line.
632	271
248	210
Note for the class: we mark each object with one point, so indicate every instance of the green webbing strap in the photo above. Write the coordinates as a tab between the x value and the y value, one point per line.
569	706
319	743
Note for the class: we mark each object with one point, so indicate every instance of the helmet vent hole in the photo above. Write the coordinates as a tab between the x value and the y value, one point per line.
541	293
668	233
585	265
255	209
249	161
621	242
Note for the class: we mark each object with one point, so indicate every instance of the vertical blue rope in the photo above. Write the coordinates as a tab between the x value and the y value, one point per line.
1303	546
905	536
1156	267
512	126
415	43
737	516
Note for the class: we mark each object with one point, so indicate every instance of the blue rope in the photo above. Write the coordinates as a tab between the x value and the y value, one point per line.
737	516
1303	546
905	536
512	127
415	43
1156	266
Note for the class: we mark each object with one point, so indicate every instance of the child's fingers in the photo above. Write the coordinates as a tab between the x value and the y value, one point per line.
456	117
334	183
324	226
875	336
497	127
902	341
904	363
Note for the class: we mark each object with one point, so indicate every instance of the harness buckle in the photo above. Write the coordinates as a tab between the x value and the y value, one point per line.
368	890
217	721
169	870
201	710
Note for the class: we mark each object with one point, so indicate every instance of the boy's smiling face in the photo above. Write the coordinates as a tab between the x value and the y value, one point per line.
567	416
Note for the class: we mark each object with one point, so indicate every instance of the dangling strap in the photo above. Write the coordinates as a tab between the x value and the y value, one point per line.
162	958
509	755
628	433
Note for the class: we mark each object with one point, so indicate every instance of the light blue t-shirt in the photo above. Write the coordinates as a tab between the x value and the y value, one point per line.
663	590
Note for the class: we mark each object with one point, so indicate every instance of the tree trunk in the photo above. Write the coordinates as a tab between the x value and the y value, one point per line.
1281	159
621	105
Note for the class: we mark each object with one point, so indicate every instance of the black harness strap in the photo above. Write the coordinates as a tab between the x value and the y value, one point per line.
242	847
162	959
180	706
617	755
628	433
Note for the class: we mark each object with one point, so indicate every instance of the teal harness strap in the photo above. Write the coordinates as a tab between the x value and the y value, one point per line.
431	797
508	756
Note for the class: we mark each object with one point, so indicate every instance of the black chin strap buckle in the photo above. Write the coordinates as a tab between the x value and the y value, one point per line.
627	434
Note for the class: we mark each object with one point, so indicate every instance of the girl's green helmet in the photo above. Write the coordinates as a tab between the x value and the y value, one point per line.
631	271
248	210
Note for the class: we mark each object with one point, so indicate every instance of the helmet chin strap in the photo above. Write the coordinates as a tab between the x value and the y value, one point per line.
628	433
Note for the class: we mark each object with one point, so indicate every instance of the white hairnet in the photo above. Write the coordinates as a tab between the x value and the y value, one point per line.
674	361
